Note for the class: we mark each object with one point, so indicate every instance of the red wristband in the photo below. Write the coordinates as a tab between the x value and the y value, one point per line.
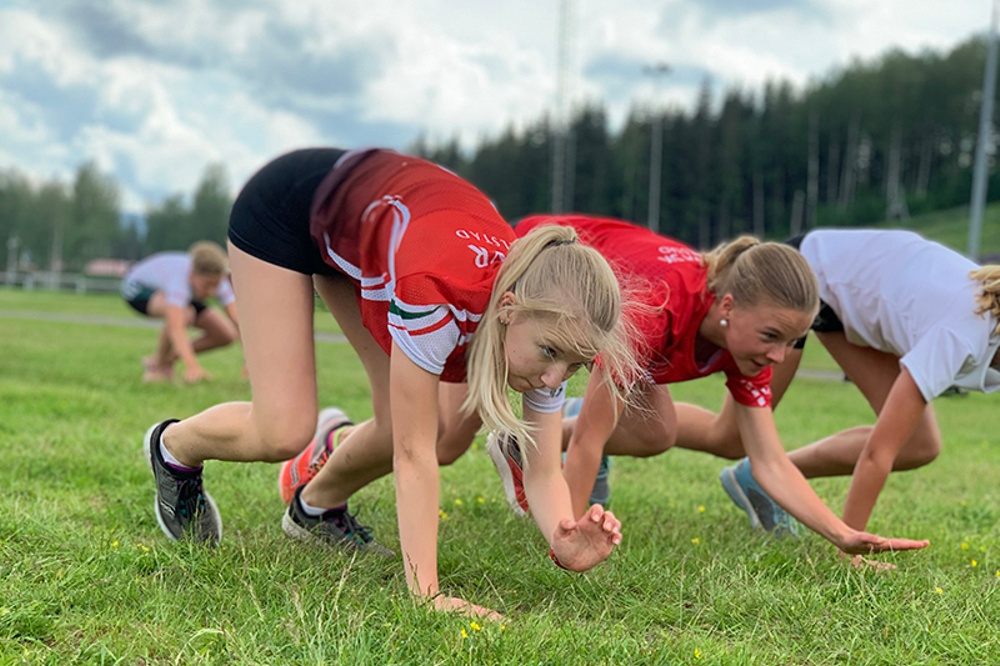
555	560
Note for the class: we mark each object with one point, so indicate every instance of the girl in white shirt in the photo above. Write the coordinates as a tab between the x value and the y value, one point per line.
905	318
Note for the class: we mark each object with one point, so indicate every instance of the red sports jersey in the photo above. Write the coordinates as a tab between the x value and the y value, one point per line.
422	247
669	279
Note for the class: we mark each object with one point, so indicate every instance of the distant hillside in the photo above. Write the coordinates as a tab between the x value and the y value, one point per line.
951	227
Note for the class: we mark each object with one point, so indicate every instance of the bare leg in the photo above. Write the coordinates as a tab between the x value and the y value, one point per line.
364	453
276	314
873	372
457	430
217	331
699	429
648	429
160	366
702	430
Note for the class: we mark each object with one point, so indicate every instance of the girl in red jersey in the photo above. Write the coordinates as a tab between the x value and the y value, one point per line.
735	310
421	274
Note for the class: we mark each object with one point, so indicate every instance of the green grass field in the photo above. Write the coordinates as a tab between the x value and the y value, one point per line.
86	577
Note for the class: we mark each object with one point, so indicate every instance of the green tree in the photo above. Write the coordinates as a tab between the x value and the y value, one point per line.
94	217
212	205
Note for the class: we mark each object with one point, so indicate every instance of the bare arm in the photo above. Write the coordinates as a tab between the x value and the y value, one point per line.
597	420
578	544
900	415
177	320
413	393
785	484
231	313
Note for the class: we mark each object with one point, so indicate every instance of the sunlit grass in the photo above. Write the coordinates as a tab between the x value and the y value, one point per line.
87	577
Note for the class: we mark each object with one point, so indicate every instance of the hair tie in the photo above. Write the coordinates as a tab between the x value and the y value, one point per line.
557	243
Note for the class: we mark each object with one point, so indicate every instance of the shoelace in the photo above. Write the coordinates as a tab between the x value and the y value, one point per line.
348	525
190	497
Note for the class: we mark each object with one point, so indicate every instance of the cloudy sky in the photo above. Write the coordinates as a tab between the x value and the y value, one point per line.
154	90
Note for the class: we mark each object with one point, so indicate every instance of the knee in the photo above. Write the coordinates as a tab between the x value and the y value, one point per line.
448	456
730	448
228	336
923	450
285	439
653	444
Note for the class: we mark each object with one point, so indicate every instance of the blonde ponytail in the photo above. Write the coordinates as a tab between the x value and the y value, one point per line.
755	273
556	277
988	298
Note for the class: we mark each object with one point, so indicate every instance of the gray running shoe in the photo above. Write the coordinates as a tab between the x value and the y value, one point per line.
334	527
183	508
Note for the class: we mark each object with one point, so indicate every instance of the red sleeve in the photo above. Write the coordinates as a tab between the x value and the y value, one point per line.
750	391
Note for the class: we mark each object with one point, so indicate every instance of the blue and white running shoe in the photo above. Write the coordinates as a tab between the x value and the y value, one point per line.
746	493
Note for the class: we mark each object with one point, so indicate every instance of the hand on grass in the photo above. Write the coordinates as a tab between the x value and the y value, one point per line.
454	604
582	544
862	562
196	374
863	543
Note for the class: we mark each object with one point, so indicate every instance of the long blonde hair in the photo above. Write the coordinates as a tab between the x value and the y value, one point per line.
988	298
758	273
556	277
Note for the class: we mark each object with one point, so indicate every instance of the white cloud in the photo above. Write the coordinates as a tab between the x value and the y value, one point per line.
165	88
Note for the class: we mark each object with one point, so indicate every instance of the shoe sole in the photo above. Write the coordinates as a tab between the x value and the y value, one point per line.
147	449
739	498
506	477
295	531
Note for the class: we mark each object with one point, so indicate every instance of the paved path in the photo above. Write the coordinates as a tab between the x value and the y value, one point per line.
109	320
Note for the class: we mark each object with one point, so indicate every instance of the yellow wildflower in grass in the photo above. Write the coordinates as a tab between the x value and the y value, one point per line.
114	544
696	541
464	635
458	502
973	563
697	653
442	514
965	546
998	573
701	509
939	590
475	626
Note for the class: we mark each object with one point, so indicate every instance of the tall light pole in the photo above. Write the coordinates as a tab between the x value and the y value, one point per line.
657	71
980	170
562	194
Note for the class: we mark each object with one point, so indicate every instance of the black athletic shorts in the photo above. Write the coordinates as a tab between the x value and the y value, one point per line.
141	303
826	320
270	218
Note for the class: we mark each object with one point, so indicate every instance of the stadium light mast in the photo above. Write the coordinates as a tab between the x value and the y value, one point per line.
657	71
562	162
980	171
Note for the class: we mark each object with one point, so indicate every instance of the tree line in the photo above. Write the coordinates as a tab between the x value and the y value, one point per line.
875	140
879	139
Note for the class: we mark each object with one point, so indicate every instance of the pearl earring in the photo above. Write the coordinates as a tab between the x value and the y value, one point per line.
723	323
